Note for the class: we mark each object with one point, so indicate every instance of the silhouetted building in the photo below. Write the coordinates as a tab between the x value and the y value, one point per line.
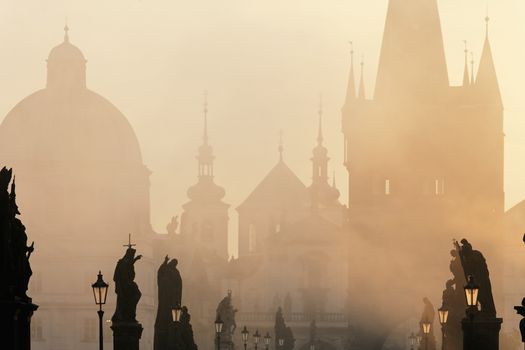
84	187
424	159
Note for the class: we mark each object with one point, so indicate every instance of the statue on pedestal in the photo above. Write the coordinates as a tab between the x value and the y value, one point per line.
16	308
169	283
226	313
283	332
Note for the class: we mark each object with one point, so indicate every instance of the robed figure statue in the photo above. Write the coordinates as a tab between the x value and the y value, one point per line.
169	283
128	293
16	307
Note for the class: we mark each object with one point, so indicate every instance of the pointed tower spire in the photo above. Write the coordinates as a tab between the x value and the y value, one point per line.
487	81
281	147
466	75
333	180
320	129
472	76
350	90
205	156
362	94
412	63
205	110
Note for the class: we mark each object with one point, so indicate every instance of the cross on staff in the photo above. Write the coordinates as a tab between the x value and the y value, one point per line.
129	245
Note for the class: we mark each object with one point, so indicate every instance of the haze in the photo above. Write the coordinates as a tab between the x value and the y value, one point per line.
263	64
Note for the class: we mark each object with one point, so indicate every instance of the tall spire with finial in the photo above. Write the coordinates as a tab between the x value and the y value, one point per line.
320	130
205	110
281	147
205	156
486	80
466	75
350	90
362	81
472	75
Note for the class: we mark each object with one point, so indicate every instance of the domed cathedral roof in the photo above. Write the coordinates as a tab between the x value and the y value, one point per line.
75	154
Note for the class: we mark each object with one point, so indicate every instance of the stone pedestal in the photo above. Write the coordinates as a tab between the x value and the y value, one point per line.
15	324
481	334
126	335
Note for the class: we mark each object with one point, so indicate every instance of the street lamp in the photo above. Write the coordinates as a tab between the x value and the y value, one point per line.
443	318
256	338
175	313
245	335
412	339
312	346
267	339
471	292
218	330
281	342
100	292
426	330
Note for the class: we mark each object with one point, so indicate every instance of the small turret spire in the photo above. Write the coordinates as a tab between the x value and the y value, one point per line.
350	90
320	130
466	75
205	111
472	77
281	147
333	180
487	20
362	81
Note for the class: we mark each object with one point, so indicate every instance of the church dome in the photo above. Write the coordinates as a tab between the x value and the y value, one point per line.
75	155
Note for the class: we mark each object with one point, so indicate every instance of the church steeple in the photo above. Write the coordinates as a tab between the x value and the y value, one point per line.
362	93
487	81
320	153
412	64
350	90
205	157
466	75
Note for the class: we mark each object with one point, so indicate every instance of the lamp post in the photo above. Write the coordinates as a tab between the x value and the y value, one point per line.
281	343
312	346
100	292
426	330
471	293
245	335
256	338
267	339
412	339
443	318
218	330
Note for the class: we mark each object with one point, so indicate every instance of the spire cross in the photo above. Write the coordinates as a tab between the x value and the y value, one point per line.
66	31
472	65
129	245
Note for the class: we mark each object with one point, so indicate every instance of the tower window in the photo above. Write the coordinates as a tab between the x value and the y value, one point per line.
439	187
252	238
387	187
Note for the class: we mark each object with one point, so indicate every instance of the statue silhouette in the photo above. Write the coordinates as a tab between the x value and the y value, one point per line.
128	293
169	284
283	332
474	264
14	252
428	315
226	313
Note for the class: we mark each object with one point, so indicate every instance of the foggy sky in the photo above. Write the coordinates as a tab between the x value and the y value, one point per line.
263	63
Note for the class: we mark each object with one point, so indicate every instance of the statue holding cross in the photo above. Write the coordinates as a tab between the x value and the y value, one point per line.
128	293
